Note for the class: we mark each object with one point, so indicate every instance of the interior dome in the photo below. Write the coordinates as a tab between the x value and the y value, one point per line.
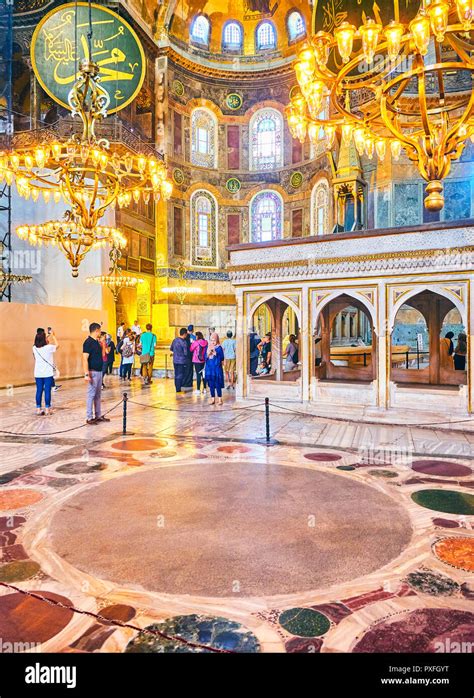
243	33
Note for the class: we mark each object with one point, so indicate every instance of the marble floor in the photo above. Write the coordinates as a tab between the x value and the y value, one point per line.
190	534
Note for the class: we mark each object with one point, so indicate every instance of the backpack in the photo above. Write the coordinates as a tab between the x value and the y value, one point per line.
127	350
202	354
295	357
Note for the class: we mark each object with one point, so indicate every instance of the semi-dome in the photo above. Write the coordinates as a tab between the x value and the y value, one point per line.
238	33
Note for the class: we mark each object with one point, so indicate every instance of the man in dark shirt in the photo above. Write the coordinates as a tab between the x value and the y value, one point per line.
92	364
180	350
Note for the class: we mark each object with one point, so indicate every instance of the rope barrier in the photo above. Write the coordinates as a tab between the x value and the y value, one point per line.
63	431
118	623
390	424
183	411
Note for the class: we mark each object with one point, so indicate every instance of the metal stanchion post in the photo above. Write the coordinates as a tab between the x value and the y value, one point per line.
124	403
267	439
166	365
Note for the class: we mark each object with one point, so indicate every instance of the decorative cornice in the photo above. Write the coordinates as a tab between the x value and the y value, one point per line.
370	263
216	73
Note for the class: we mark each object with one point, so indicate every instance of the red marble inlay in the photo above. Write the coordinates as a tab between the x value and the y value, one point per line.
26	619
304	645
139	444
118	612
234	448
441	467
446	523
321	457
8	523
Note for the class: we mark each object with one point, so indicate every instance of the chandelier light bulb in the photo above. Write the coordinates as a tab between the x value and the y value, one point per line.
308	60
381	148
396	149
359	140
346	132
330	132
316	97
393	34
344	35
322	45
313	133
420	29
465	10
438	12
369	147
370	32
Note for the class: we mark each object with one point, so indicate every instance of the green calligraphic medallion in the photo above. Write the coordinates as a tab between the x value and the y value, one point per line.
178	175
59	44
178	88
234	101
296	180
233	185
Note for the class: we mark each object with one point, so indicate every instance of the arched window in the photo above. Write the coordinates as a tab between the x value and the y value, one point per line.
203	229
200	30
266	140
232	37
296	27
266	217
266	36
320	209
203	138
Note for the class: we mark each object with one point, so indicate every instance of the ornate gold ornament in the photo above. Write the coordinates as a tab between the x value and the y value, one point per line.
183	289
115	280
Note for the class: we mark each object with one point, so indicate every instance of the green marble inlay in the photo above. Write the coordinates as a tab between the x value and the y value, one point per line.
432	583
304	622
383	473
18	571
345	467
448	501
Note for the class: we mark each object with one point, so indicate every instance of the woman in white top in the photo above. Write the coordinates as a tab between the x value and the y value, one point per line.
43	352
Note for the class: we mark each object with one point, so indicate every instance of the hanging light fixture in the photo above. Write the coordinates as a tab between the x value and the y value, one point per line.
72	238
7	279
115	280
183	289
392	89
88	173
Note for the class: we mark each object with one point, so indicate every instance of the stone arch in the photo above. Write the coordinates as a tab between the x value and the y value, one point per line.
357	295
433	288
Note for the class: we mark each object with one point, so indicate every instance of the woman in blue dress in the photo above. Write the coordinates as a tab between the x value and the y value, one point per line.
214	372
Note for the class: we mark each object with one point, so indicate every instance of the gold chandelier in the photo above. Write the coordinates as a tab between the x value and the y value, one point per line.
72	238
183	289
87	173
6	278
392	87
115	280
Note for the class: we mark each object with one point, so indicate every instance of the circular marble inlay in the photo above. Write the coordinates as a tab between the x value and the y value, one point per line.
457	552
432	583
423	630
219	633
214	530
26	619
18	571
345	467
304	622
441	467
449	501
321	457
140	444
17	499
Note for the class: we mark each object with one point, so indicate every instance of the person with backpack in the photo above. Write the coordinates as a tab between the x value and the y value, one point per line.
119	351
128	355
198	350
291	354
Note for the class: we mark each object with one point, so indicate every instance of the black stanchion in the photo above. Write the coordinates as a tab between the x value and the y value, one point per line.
124	403
267	440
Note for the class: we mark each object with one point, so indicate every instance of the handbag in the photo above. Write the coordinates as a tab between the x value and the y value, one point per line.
144	358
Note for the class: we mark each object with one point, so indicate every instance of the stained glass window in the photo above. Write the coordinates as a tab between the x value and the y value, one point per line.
320	209
266	36
266	217
203	138
266	135
296	28
232	38
200	30
203	229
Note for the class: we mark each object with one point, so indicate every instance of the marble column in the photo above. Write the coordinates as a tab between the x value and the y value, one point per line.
383	331
242	350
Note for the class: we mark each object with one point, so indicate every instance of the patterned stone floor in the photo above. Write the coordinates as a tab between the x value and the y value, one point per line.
190	535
